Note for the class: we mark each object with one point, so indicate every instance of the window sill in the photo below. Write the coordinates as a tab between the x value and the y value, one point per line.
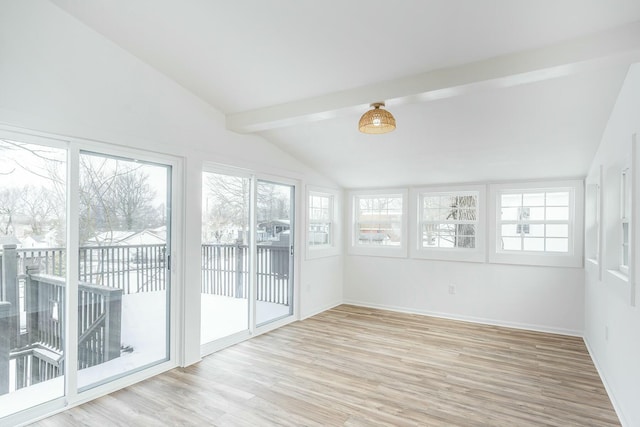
468	255
382	251
619	275
542	260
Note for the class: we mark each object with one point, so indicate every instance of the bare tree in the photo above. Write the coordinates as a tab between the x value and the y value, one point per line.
272	202
38	206
95	189
114	195
226	204
226	201
9	209
132	199
463	208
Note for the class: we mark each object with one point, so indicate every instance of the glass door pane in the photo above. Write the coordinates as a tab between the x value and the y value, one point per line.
123	289
274	258
32	274
225	255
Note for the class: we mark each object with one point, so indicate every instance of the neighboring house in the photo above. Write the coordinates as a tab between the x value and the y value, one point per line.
34	242
270	230
128	238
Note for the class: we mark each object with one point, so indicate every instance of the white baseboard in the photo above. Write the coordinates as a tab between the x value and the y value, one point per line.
484	321
607	387
320	310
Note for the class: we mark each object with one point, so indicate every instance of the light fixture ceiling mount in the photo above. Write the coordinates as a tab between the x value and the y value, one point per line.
377	120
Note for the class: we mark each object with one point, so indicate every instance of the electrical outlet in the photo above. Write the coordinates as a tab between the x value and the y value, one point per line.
452	289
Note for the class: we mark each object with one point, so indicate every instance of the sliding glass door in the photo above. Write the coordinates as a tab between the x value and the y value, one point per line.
274	258
33	242
123	285
225	286
247	254
85	285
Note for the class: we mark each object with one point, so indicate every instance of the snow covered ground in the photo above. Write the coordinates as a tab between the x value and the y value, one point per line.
144	329
223	316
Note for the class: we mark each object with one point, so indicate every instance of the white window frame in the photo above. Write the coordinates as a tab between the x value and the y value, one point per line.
572	258
625	220
335	219
356	248
478	253
593	219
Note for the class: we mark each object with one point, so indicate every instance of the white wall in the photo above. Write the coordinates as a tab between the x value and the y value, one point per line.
612	323
539	298
319	280
59	77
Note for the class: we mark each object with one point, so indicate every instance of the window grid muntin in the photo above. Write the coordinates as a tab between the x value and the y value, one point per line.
443	224
385	222
525	224
320	220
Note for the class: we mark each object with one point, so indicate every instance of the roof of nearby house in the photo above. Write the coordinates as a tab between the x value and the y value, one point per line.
127	238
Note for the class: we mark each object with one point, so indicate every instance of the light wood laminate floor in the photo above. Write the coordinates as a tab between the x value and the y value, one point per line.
355	366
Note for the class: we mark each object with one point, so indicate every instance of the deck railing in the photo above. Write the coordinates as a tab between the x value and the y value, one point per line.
36	349
42	358
225	271
4	347
35	364
142	268
273	274
139	268
32	283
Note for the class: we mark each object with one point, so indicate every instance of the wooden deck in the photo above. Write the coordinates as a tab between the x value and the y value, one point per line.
362	367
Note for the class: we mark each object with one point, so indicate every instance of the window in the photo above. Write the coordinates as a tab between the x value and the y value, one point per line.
449	223
535	221
320	220
449	220
593	223
379	220
378	223
323	225
597	218
625	219
538	224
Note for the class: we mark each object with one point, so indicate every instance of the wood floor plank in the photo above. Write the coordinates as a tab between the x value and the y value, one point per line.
355	366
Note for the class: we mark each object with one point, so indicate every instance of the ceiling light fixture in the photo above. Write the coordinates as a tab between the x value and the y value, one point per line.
377	120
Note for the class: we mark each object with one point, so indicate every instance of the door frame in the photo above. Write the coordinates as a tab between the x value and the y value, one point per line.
213	346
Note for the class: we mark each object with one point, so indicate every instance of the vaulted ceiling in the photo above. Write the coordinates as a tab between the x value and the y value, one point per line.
481	90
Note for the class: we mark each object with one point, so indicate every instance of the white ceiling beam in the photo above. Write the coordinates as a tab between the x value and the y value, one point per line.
620	45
